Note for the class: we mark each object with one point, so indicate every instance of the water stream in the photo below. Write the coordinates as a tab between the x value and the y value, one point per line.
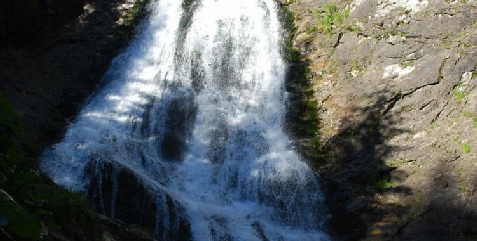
189	125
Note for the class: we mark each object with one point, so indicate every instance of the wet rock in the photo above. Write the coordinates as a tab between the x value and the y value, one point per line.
118	193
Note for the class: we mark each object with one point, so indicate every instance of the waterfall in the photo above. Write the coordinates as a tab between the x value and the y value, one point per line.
186	136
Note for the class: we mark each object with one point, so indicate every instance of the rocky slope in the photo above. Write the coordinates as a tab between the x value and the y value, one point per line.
50	60
51	64
395	82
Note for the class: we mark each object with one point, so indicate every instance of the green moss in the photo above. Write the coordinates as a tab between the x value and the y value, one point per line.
306	121
292	54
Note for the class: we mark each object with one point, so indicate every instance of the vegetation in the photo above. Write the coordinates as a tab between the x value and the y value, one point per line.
304	113
329	18
458	93
466	147
383	184
293	54
29	205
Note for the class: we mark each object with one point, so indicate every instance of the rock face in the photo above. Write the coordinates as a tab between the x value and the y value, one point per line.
396	86
49	62
47	73
117	193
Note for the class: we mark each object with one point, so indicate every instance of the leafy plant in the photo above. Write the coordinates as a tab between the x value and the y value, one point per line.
329	17
458	93
466	147
353	28
383	184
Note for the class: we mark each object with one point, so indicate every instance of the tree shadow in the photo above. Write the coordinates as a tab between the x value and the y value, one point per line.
446	210
355	169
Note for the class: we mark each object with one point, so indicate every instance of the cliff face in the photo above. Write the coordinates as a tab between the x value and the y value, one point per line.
51	58
395	82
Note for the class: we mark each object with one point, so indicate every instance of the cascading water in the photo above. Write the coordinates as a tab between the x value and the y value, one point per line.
186	137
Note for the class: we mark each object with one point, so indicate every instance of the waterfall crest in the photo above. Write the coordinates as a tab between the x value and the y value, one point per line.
188	129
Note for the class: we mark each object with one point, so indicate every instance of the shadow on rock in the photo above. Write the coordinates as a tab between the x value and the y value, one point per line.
446	209
355	170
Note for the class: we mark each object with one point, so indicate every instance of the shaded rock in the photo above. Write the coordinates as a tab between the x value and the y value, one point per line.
396	99
118	193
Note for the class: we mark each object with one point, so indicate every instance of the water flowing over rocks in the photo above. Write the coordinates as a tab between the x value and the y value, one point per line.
395	83
185	137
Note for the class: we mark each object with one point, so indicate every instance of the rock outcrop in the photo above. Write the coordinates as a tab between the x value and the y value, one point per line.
118	193
395	82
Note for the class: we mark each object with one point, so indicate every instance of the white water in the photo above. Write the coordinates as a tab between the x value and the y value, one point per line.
194	108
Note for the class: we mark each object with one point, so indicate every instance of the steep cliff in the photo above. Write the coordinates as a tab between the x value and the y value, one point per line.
395	82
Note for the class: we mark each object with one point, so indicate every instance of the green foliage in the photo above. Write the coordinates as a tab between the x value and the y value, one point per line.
353	28
381	184
27	201
289	19
459	94
293	55
392	32
466	147
309	121
473	22
17	220
306	109
16	176
330	17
